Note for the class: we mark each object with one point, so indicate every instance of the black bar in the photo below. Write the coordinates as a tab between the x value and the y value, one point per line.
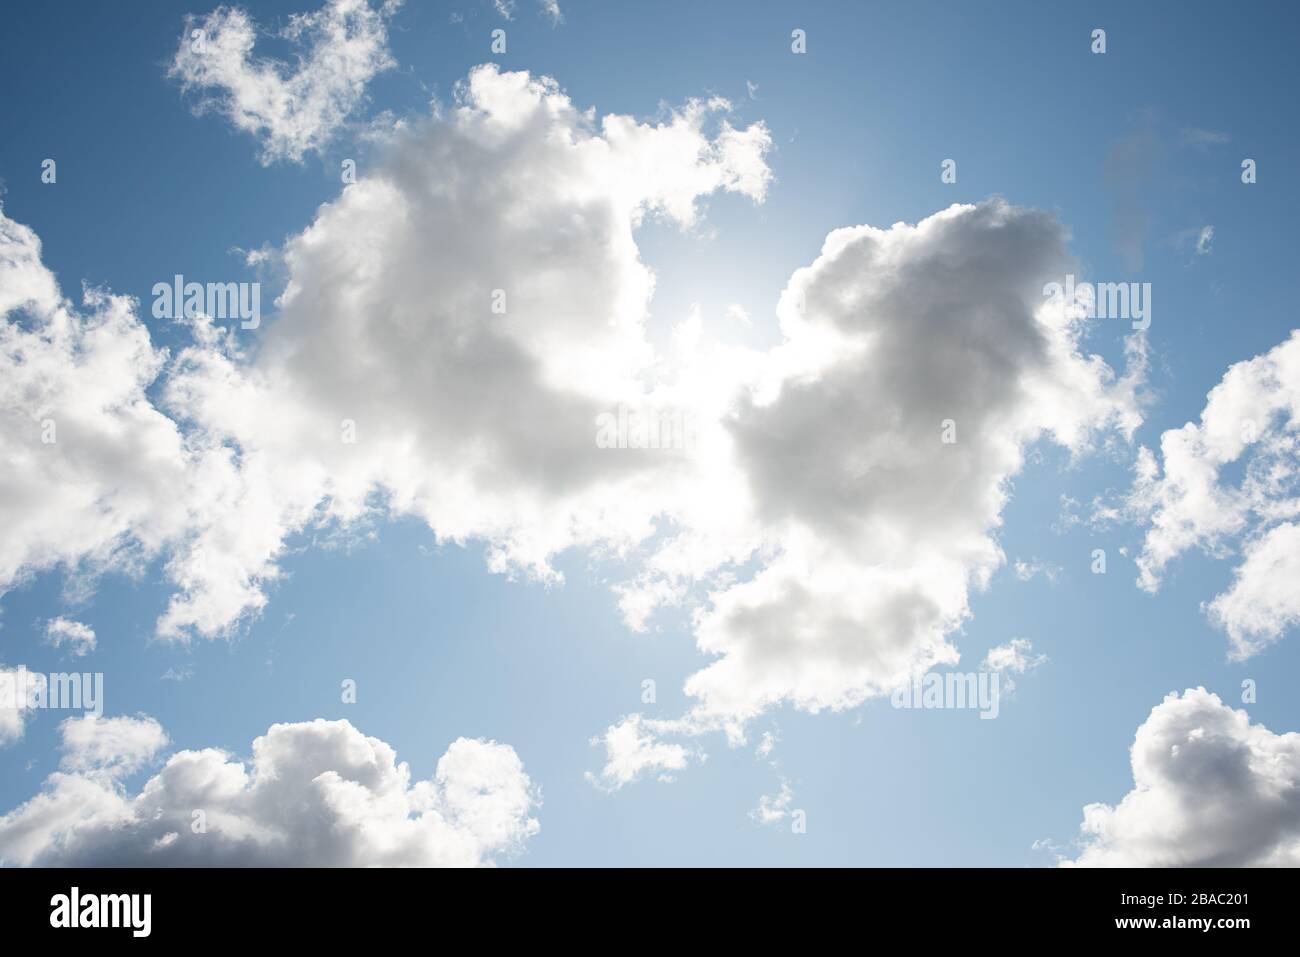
366	906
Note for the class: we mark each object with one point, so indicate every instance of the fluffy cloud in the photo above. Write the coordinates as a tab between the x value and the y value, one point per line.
91	473
1210	790
773	808
292	110
869	529
79	638
1250	424
878	527
316	793
112	747
457	321
480	421
1016	656
633	751
464	313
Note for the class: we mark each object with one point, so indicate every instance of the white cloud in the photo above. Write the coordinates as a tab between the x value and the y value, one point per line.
825	534
1211	789
1029	570
868	529
1203	240
293	110
1264	599
773	808
91	474
878	527
738	314
1251	417
78	637
481	423
633	751
316	793
112	747
1016	656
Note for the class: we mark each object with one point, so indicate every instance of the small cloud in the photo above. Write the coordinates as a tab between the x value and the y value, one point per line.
737	313
633	750
752	87
773	808
78	638
1016	656
1027	571
1203	240
1198	240
551	8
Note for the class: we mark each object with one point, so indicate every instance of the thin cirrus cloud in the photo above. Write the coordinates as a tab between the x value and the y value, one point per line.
315	794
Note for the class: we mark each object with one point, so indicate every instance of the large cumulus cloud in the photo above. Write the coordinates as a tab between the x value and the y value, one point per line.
314	794
873	529
466	312
456	321
1210	789
479	420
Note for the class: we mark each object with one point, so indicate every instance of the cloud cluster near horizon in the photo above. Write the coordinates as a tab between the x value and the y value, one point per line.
1210	789
315	794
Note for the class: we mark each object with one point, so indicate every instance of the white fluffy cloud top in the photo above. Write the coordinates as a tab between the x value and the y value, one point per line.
291	109
1210	789
314	794
1190	500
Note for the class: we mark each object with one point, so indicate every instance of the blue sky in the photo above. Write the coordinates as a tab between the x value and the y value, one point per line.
1156	127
